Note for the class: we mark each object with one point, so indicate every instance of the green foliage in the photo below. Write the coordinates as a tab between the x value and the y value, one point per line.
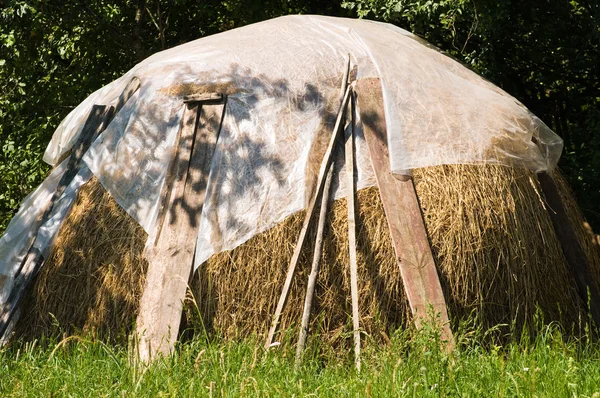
413	364
438	19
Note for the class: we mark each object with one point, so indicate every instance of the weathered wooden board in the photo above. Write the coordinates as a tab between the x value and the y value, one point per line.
403	212
170	262
207	98
203	97
574	254
128	91
98	119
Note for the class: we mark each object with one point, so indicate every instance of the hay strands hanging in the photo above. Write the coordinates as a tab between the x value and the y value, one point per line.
325	164
403	213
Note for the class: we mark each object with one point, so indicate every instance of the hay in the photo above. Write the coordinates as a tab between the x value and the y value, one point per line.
495	247
93	278
237	291
492	238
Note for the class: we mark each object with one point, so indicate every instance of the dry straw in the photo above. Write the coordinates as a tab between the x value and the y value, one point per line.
495	247
94	276
493	241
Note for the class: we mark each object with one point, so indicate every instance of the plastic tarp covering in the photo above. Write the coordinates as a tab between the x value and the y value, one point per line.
283	78
25	225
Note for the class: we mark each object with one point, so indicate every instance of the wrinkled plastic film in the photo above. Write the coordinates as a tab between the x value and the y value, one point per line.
68	130
282	79
132	155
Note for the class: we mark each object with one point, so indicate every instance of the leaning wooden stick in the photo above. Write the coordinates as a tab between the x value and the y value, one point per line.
312	278
314	272
309	213
349	153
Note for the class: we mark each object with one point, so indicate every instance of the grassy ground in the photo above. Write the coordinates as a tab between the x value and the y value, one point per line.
411	365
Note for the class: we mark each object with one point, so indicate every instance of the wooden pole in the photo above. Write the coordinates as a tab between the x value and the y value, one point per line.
349	154
312	278
98	119
403	213
170	262
327	158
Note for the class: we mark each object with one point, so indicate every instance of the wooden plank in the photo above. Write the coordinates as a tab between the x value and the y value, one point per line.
170	179
98	119
574	254
403	212
170	262
128	91
349	155
307	219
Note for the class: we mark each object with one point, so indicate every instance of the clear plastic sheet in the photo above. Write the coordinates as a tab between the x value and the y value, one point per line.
282	78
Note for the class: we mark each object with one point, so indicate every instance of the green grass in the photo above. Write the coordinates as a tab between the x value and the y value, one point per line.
412	365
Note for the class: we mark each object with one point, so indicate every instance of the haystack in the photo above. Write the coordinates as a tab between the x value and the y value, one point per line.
498	258
209	159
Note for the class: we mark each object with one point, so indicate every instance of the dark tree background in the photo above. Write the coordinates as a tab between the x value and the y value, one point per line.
53	53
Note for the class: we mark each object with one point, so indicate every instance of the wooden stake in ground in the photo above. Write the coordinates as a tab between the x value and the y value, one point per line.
403	213
349	154
307	219
314	272
98	119
170	261
312	278
575	256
